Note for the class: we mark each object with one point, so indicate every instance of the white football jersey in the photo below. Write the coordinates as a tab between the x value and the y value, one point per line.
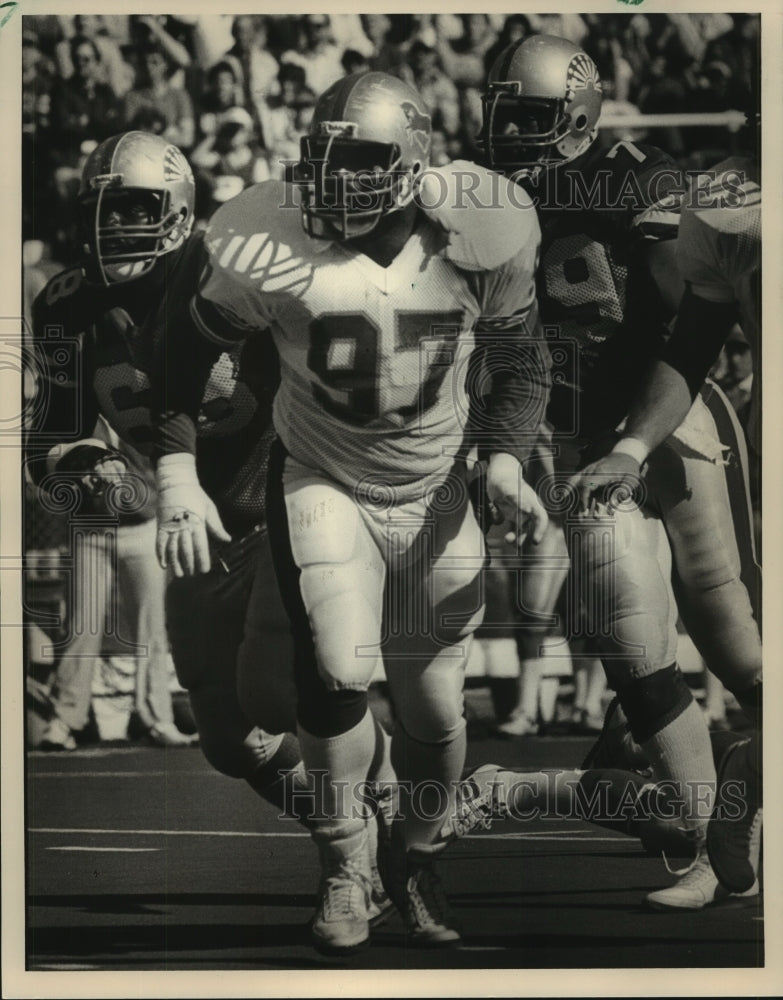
373	359
719	248
719	254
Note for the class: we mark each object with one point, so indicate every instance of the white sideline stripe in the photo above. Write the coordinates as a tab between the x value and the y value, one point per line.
164	833
112	850
554	835
62	967
123	774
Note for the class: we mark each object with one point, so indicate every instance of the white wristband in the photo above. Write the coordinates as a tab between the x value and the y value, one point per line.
633	447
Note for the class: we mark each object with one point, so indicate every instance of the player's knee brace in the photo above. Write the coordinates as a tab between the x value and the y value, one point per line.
651	703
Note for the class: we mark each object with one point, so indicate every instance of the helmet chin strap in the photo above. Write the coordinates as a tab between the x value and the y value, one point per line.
128	270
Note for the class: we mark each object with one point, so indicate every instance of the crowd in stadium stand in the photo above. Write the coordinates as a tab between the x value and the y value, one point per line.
236	93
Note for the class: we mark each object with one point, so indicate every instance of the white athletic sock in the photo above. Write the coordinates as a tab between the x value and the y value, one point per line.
338	766
381	769
682	753
433	771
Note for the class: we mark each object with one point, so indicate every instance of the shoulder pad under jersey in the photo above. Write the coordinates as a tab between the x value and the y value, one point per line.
733	184
628	178
66	300
258	234
486	218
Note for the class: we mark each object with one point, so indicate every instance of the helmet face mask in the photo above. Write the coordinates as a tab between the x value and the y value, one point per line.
368	140
350	185
541	106
136	205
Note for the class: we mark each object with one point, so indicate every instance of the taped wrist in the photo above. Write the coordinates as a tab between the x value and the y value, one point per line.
651	703
174	471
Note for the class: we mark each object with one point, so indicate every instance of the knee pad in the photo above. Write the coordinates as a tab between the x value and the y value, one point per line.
326	713
651	703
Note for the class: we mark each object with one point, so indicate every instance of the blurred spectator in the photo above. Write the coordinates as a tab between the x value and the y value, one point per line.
463	58
463	61
348	33
440	153
667	80
212	36
285	118
167	34
254	65
39	199
570	26
156	91
606	50
222	93
112	69
113	559
354	62
147	119
376	27
738	51
38	76
84	111
515	27
318	54
230	160
697	30
439	93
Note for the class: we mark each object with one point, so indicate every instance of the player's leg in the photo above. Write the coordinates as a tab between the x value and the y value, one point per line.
267	696
613	799
710	523
90	596
331	576
425	653
539	585
206	615
265	661
589	689
705	506
621	569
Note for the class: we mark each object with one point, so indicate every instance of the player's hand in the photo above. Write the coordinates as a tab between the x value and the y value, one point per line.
96	465
604	485
186	517
105	473
514	500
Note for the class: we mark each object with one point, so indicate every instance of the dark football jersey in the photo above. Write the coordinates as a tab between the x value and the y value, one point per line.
595	294
97	346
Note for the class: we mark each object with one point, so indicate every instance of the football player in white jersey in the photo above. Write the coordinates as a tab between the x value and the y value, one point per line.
719	257
393	301
605	255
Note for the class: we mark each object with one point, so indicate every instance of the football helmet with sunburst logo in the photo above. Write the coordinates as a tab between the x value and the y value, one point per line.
541	106
136	202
